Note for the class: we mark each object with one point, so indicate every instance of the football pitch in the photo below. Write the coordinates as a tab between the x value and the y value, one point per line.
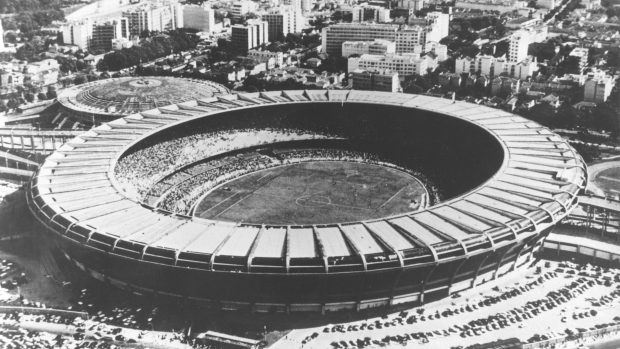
316	192
609	180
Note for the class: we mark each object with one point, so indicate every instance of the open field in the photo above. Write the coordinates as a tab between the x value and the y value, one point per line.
609	180
314	193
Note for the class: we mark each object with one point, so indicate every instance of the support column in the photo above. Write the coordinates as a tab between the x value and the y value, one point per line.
21	139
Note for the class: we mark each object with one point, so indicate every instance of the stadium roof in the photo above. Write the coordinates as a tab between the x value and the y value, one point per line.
127	95
536	185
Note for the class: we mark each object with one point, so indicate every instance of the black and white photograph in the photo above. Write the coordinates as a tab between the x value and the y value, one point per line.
309	174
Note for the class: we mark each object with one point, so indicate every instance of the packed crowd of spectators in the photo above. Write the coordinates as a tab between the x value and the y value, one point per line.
183	196
138	171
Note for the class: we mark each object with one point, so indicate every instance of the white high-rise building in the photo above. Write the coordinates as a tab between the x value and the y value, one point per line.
415	5
78	33
494	66
242	7
440	25
283	21
411	39
154	16
1	37
306	6
249	36
597	87
370	14
519	44
201	18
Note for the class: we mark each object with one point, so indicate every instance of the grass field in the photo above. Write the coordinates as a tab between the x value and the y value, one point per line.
314	192
609	180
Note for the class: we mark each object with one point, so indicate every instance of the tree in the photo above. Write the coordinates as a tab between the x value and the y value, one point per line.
80	79
12	103
542	113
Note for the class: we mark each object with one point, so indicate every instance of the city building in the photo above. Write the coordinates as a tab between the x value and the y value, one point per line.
104	33
334	35
121	43
370	14
523	22
590	4
272	59
306	6
491	5
375	80
433	28
580	55
43	73
415	5
154	16
549	4
503	85
405	64
440	25
201	18
375	47
78	33
518	47
441	51
411	39
283	21
10	79
243	7
495	66
1	37
597	87
245	37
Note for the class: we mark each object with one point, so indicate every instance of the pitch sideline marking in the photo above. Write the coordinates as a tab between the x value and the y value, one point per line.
219	203
609	178
252	192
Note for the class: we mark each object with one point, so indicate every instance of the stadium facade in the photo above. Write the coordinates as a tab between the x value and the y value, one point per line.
488	228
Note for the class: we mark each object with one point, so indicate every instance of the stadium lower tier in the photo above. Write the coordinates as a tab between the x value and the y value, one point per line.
304	292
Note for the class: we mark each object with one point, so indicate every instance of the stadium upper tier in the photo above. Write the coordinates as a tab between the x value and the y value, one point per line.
112	98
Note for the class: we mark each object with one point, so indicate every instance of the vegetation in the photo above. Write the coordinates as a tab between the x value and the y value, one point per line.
149	49
31	15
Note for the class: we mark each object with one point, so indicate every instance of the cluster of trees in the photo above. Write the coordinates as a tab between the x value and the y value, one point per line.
294	40
572	5
27	93
31	15
148	50
31	49
13	6
604	117
255	83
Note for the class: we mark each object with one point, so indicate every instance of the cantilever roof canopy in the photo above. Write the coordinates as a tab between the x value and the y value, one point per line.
539	178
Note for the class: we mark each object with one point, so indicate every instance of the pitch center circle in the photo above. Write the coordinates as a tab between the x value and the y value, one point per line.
313	201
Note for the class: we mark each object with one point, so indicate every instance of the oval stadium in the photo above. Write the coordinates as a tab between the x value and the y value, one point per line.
109	99
315	201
